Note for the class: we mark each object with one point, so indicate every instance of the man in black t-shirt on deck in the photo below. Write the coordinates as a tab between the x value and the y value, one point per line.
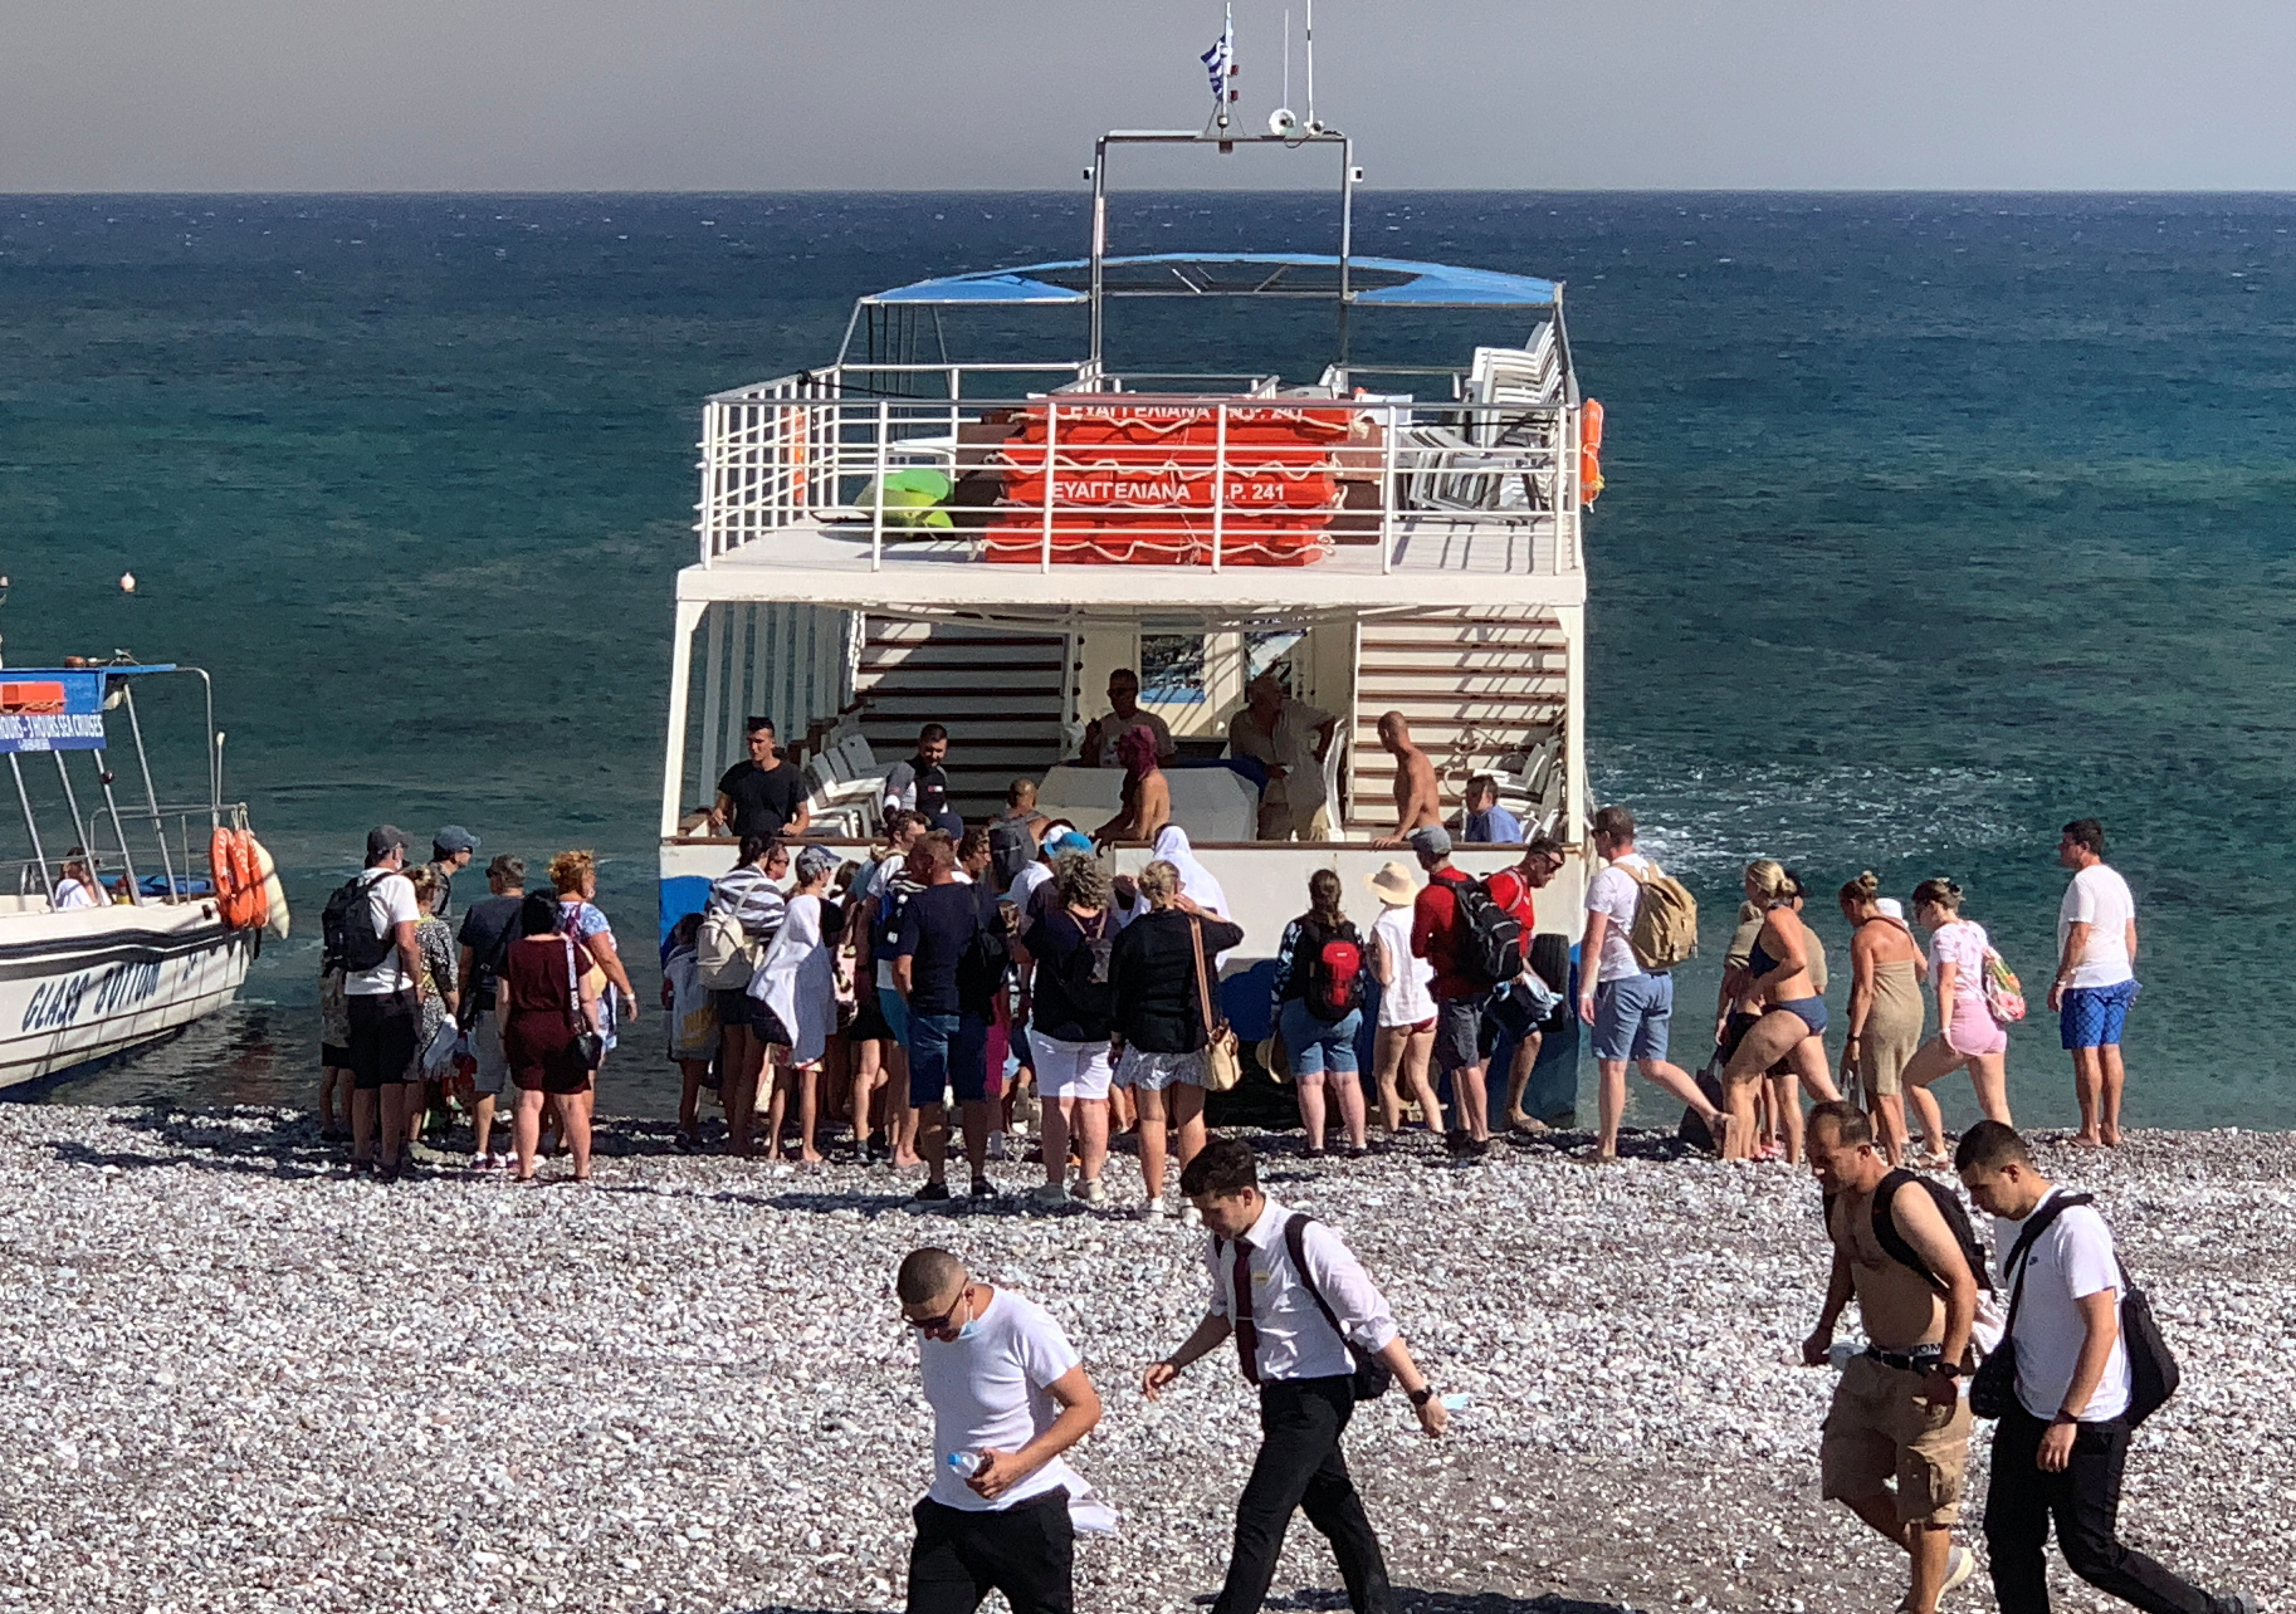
764	795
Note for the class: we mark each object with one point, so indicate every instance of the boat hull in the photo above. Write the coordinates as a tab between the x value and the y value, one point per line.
80	988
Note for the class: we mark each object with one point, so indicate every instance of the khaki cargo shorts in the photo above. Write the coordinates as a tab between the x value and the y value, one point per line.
1881	1429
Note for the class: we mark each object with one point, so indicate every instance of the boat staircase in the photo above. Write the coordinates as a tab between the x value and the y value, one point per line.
1001	695
1483	690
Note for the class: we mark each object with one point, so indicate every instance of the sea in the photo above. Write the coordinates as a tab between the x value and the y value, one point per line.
1932	521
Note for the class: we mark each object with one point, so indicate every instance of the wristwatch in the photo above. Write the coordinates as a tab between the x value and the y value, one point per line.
1951	1369
1422	1396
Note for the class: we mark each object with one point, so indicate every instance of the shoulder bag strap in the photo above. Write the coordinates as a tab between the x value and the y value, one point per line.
1203	986
1295	1242
573	990
2019	1252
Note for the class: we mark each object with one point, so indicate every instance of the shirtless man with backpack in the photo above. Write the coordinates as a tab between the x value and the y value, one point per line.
1895	1446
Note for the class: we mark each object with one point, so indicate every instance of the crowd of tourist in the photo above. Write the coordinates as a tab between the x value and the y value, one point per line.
909	1001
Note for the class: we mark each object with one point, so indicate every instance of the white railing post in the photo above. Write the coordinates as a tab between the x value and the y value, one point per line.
1387	496
705	526
877	536
1219	485
1052	439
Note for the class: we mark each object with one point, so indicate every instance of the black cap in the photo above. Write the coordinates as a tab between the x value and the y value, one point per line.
383	840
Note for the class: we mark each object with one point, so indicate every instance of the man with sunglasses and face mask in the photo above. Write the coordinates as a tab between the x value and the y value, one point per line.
1009	1394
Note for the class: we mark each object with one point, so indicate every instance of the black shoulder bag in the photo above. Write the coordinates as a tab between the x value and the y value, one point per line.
1372	1376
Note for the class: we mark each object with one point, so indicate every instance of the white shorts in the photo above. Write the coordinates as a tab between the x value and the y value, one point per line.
1069	1069
1155	1072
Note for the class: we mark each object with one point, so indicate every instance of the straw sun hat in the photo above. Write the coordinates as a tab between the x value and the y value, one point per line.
1394	885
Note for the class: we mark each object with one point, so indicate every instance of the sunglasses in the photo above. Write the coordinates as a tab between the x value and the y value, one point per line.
939	1325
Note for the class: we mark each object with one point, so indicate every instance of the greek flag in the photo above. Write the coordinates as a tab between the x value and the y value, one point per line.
1220	60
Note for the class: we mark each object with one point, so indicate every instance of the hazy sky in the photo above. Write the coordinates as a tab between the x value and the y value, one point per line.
771	94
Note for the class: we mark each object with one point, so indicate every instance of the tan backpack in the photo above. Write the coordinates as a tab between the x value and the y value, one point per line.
1665	932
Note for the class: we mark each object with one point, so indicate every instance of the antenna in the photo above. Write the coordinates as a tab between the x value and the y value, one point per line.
1313	126
1287	58
1281	122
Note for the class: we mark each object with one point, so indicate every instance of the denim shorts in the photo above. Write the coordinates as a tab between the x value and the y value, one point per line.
1315	1044
2094	1017
947	1051
1632	1015
894	1008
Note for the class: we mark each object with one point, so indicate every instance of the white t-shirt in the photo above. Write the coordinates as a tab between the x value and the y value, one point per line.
2073	1259
988	1390
2099	898
1616	893
1409	1001
390	903
73	894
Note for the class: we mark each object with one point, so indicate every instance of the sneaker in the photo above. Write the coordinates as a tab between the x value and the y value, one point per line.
983	1189
1958	1568
1153	1210
1190	1216
485	1162
2237	1603
1091	1192
1050	1196
932	1190
1354	1153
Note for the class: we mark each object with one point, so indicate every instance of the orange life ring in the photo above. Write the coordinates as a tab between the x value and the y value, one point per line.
248	903
1590	452
219	870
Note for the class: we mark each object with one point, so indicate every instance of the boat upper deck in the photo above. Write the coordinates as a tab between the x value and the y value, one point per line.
833	487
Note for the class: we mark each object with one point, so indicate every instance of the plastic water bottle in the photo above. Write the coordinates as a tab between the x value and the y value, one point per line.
964	1465
1457	1403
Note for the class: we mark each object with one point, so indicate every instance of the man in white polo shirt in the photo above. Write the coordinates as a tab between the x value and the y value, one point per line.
2061	1447
1287	1325
2096	976
1009	1395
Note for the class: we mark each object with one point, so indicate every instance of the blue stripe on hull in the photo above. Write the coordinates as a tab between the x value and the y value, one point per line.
681	894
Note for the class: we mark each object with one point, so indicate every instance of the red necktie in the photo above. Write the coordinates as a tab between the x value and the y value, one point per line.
1247	1333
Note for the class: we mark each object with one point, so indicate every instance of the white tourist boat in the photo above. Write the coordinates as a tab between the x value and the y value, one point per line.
915	532
81	984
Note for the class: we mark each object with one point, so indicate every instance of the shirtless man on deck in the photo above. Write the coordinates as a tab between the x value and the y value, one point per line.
1418	799
1898	1413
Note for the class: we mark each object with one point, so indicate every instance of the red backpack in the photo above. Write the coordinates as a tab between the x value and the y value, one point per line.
1335	971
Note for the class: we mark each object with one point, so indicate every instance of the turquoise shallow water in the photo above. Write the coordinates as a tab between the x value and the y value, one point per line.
1932	521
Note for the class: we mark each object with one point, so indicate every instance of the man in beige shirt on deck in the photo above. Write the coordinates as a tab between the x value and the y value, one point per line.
1898	1416
1291	739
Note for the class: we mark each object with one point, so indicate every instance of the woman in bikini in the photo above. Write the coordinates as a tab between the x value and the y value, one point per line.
1793	1021
1968	1035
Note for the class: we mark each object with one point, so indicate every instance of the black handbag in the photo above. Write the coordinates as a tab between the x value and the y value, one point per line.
588	1042
1372	1376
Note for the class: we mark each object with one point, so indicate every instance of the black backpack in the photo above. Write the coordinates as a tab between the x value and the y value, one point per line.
1084	978
1011	850
343	944
1334	960
1488	948
1957	1219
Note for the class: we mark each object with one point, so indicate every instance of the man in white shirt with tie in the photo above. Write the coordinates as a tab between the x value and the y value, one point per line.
1287	1325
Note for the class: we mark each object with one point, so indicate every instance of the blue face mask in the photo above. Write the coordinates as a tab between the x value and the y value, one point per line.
972	1330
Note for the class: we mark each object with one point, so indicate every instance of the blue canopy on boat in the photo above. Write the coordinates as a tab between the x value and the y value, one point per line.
1395	282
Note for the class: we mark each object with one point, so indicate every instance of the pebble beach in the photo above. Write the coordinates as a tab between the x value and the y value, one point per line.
233	1378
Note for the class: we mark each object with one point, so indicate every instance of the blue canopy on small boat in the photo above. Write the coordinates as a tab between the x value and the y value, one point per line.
1394	281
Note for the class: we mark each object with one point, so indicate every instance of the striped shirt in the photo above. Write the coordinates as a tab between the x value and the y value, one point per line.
752	898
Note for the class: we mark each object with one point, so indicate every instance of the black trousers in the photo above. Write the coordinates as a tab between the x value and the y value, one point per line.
1027	1552
2085	1501
1301	1466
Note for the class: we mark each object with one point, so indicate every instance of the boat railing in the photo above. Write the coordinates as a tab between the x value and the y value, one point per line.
177	831
1178	473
